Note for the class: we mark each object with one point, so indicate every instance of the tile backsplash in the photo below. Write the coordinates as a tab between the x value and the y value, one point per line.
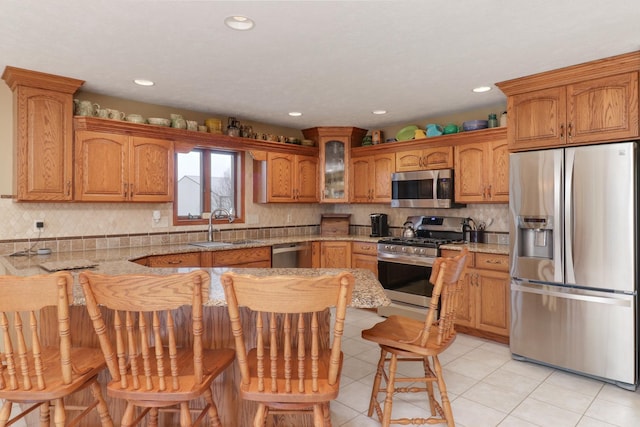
81	226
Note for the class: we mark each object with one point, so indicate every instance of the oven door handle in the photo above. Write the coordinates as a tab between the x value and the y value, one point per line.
402	259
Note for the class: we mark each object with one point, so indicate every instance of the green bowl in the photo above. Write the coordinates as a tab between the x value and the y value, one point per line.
406	133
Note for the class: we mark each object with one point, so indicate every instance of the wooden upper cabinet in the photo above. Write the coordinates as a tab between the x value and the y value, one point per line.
287	178
371	178
112	167
151	170
335	147
603	109
482	172
537	119
428	158
589	111
43	132
586	103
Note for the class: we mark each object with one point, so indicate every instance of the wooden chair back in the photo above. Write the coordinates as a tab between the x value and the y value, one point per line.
140	346
25	363
289	358
38	364
446	276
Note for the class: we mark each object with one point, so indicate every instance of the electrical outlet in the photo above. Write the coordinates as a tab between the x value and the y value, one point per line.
38	225
289	218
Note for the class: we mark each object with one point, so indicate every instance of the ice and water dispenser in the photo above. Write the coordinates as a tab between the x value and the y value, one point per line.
535	236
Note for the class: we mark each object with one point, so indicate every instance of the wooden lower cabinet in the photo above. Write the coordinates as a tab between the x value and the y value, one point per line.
365	255
187	259
240	258
335	254
484	308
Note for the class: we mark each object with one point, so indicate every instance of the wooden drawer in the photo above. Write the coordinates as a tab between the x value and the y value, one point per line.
450	253
189	259
492	261
366	248
240	256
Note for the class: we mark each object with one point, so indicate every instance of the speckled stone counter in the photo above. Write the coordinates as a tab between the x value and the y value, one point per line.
489	248
367	293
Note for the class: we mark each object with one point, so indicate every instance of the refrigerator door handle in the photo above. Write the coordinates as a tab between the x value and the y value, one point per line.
610	300
570	276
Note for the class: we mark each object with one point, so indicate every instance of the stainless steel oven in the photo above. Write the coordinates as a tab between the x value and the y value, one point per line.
404	264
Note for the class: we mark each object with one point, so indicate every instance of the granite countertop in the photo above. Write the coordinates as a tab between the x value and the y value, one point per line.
489	248
368	292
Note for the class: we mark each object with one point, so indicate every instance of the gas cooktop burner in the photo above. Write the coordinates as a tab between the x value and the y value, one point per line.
418	241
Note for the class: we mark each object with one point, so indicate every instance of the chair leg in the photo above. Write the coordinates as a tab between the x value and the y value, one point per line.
376	383
444	397
327	414
185	415
102	407
318	415
153	417
429	386
261	416
59	415
128	416
5	412
388	400
214	419
45	414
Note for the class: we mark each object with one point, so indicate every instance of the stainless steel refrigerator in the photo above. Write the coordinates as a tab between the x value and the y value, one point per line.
573	259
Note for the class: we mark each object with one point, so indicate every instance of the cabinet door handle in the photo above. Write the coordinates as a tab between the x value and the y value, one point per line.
174	262
131	190
420	162
490	195
562	131
493	261
68	188
570	130
125	190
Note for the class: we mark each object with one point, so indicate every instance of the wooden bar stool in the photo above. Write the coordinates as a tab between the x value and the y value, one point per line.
403	339
287	371
35	373
148	368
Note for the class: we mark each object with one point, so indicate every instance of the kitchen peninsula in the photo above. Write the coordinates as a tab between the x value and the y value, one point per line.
367	293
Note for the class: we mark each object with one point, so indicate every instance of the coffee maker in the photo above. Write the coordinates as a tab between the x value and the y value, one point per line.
379	226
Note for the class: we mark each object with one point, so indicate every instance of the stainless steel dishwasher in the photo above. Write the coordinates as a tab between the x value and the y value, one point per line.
291	255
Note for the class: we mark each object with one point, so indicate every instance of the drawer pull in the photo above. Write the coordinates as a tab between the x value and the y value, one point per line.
175	262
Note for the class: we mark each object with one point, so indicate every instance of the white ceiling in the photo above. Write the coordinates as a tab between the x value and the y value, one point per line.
335	61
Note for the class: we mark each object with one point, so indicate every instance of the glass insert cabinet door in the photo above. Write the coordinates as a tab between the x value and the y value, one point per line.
334	170
335	144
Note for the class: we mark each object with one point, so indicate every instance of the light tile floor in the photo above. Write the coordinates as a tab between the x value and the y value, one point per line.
486	387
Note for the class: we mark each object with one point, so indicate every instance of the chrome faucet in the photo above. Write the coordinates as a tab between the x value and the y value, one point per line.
218	214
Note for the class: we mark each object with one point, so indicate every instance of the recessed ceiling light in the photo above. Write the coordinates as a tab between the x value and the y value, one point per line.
481	89
143	82
238	22
379	112
295	114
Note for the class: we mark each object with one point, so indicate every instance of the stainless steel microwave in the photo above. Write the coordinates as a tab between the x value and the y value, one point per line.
423	189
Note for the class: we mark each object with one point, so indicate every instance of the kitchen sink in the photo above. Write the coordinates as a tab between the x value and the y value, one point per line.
224	243
211	244
241	242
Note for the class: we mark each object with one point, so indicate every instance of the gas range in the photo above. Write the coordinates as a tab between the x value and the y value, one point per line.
431	232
